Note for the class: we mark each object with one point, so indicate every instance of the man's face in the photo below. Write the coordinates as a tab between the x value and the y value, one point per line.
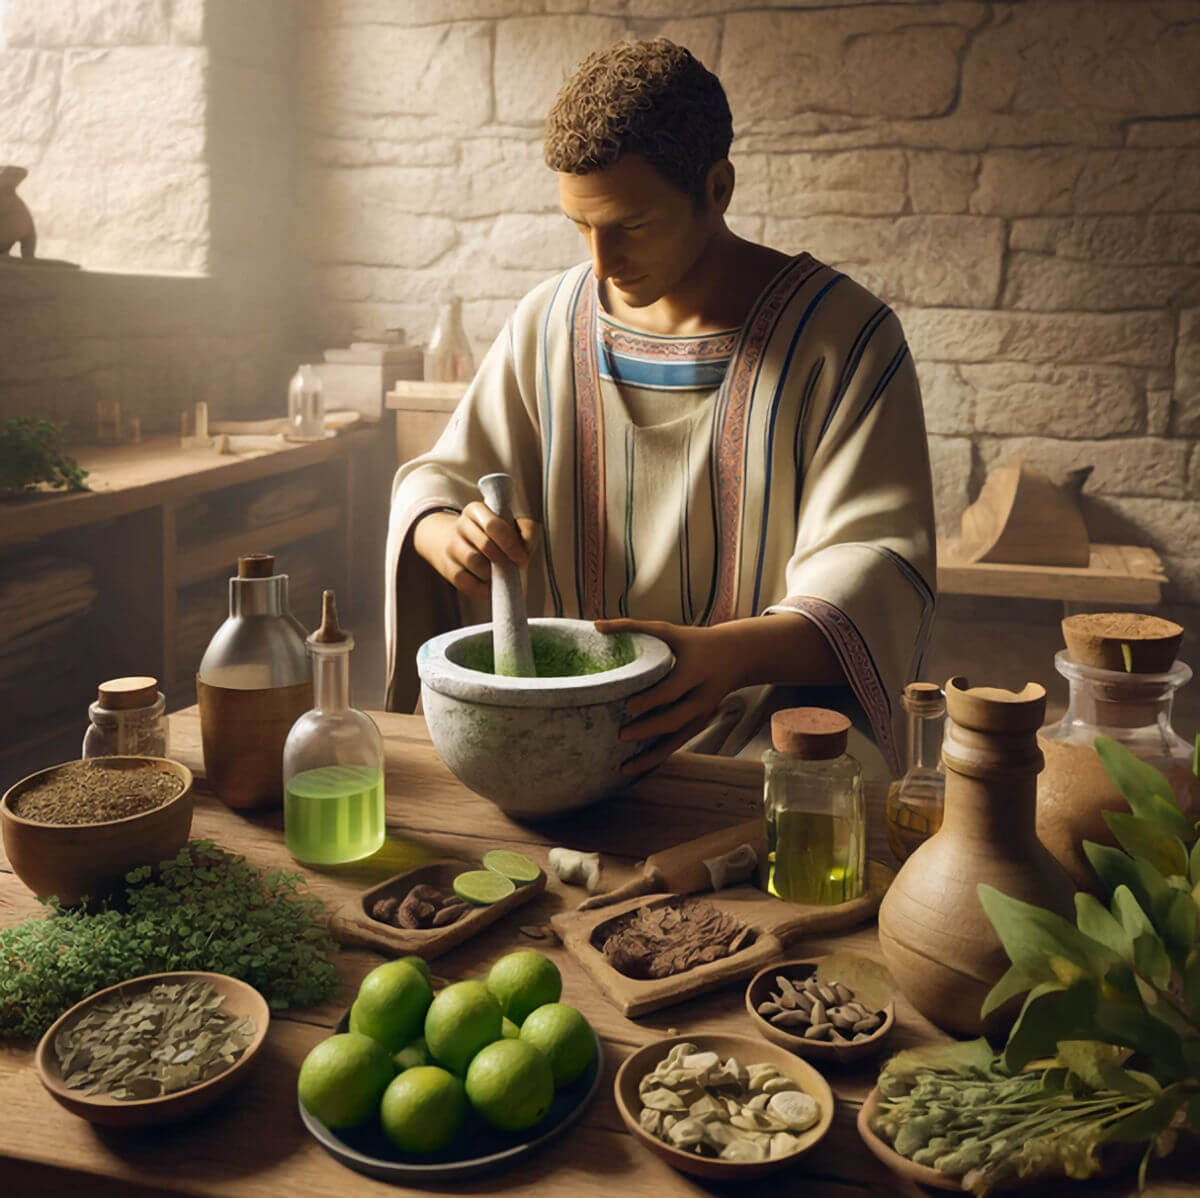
644	233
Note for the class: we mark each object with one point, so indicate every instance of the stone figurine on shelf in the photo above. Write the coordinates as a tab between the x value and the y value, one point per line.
16	221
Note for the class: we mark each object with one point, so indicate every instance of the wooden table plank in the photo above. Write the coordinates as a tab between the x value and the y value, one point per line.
253	1144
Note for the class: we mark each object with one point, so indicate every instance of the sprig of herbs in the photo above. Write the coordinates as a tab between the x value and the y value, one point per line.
31	452
205	909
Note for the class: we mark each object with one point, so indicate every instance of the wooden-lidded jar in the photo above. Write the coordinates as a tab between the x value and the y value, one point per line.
937	940
254	682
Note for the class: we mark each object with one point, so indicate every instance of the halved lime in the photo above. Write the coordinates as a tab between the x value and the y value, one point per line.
514	866
482	887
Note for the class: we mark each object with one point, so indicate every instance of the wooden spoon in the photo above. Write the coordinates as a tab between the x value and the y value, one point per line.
511	646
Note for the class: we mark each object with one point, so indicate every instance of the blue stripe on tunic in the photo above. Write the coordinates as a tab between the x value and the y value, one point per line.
660	374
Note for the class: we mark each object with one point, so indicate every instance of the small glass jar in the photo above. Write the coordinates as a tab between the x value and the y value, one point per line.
1074	789
127	719
448	358
333	795
306	405
916	801
815	809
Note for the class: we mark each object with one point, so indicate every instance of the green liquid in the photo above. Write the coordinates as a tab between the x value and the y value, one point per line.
334	814
814	858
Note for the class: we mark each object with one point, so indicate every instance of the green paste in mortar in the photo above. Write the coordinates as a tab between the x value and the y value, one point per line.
554	657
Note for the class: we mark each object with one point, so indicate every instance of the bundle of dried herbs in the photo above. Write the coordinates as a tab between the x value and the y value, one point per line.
1113	999
205	909
670	938
168	1038
91	792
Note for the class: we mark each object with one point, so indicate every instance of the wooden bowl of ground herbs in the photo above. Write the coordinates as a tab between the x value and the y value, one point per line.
153	1049
74	830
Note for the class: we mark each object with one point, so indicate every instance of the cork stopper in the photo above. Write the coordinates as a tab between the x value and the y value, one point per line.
256	565
924	699
330	632
124	694
1124	641
812	733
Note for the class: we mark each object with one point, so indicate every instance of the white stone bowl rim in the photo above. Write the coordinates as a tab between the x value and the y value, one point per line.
439	673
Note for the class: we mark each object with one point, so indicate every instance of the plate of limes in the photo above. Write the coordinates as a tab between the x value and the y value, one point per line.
415	1087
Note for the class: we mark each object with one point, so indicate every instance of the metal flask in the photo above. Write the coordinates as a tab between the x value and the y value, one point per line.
254	682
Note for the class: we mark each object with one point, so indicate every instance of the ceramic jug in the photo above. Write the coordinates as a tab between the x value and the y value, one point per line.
936	939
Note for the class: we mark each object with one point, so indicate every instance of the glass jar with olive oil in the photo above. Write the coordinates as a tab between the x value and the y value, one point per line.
815	809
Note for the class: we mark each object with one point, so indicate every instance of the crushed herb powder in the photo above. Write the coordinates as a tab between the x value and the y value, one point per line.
91	792
160	1041
554	656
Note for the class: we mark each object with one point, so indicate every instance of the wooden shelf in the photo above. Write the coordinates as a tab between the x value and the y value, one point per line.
1127	574
203	561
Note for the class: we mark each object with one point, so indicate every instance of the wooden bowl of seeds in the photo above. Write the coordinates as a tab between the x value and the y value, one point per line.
723	1108
835	1008
76	829
183	1039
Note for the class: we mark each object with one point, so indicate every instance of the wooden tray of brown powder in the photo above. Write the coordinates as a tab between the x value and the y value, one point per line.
666	939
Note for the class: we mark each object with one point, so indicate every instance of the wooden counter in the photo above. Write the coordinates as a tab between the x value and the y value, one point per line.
253	1145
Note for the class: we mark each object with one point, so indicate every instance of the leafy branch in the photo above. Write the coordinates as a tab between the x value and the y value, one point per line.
31	452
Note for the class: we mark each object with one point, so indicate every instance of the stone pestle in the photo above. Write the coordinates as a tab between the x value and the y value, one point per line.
511	646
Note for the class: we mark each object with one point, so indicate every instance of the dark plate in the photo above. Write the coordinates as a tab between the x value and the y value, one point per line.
477	1149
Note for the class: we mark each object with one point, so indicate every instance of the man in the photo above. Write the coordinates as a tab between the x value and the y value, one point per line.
710	440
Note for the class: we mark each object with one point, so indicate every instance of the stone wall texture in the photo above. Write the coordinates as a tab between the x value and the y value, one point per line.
1021	181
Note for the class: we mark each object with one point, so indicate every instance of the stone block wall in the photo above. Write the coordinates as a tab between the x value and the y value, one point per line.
1020	180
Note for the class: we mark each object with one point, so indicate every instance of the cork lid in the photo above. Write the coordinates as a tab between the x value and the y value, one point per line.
330	632
924	698
1126	642
813	733
256	565
124	694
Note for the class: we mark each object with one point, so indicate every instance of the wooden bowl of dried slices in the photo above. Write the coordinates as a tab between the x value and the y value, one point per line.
836	1008
723	1108
180	1039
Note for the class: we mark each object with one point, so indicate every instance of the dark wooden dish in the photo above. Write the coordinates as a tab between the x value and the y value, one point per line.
353	923
841	1051
241	999
747	1051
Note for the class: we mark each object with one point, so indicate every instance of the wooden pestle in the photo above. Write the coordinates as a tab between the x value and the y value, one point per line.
681	869
510	629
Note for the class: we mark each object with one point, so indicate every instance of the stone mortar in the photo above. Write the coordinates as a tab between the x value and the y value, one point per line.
535	747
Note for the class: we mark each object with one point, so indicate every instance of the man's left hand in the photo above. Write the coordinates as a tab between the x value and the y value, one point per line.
707	668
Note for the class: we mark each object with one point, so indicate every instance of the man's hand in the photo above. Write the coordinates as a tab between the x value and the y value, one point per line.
709	663
462	548
707	668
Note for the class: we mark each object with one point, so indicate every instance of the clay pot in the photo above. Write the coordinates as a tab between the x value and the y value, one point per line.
936	939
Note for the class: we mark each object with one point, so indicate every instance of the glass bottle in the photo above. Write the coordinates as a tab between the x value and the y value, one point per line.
306	405
448	359
127	719
815	809
915	802
333	809
1074	789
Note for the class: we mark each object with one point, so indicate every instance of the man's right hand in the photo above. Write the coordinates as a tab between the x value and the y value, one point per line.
462	548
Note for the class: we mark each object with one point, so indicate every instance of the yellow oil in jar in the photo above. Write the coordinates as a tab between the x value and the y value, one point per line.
814	857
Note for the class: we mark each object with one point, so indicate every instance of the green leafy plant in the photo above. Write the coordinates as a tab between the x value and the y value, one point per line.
31	452
1125	977
205	909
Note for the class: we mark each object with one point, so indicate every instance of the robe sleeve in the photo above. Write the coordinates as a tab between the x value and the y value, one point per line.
864	564
494	428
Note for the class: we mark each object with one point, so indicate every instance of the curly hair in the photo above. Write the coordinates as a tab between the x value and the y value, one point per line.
641	97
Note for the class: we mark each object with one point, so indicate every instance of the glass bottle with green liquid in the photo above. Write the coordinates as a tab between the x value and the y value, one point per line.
333	809
815	809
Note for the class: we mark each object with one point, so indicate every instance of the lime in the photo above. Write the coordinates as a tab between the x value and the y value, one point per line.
343	1078
482	887
514	866
423	1109
509	1030
562	1035
461	1020
511	1085
412	1055
391	1004
421	966
523	981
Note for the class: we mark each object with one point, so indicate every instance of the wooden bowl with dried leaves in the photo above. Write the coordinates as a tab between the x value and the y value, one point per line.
66	851
231	1036
835	1008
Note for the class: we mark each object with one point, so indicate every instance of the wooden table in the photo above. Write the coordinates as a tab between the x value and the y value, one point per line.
253	1144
